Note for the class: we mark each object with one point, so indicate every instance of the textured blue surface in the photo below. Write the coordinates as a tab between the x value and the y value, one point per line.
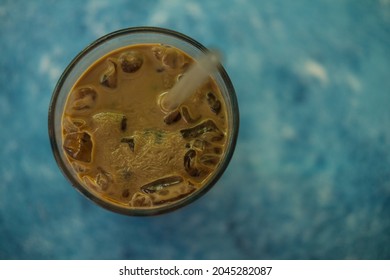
310	178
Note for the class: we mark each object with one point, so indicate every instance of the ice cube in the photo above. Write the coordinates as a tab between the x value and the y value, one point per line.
189	163
109	77
161	184
199	145
214	103
78	145
207	130
185	111
79	167
204	147
131	61
158	52
100	182
141	200
72	125
83	98
172	58
172	117
90	183
176	193
103	179
209	160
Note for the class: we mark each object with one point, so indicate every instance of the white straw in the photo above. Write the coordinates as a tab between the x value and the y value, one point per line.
190	82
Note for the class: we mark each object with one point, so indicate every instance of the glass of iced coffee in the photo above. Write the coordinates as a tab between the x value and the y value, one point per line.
115	142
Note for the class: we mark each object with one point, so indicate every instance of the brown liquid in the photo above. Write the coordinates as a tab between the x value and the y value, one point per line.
123	147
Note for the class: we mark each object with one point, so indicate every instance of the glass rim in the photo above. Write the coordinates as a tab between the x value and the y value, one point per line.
231	144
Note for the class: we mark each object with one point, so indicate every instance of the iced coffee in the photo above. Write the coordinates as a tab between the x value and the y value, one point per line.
127	150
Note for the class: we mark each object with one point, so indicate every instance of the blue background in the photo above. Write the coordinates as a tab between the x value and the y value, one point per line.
310	178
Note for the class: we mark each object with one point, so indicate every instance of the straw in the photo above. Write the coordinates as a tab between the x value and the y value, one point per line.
190	82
